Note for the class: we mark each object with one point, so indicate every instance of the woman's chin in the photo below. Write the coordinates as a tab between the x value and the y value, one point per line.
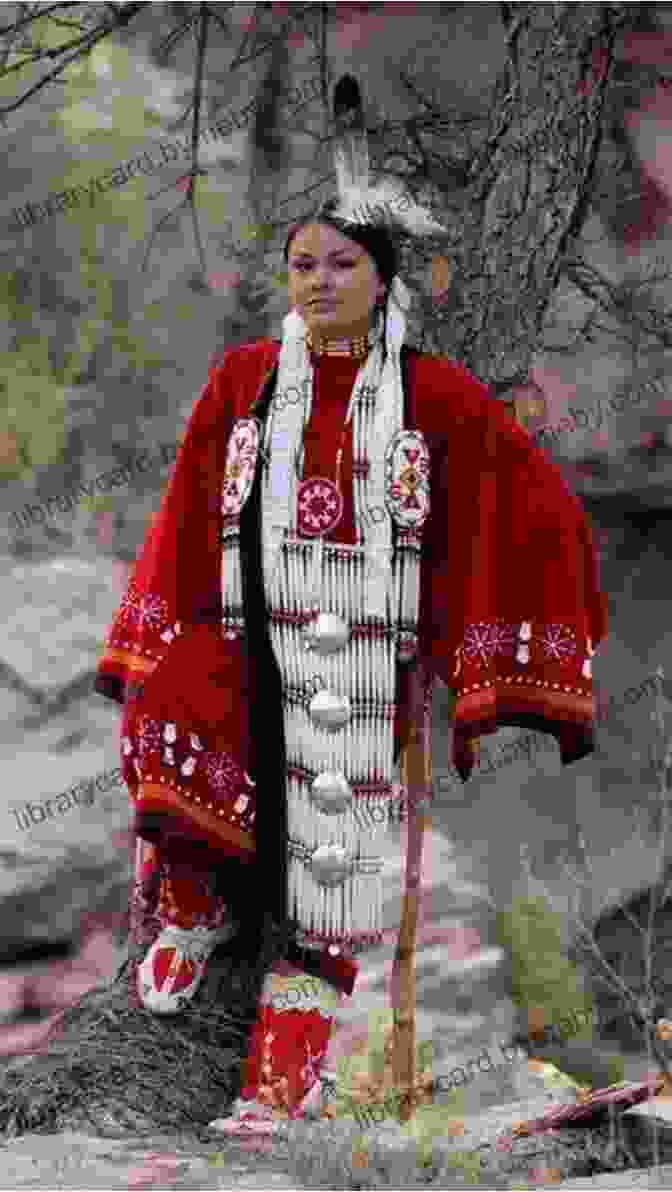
323	321
328	327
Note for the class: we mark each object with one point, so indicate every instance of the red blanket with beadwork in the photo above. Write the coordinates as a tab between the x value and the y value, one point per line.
510	609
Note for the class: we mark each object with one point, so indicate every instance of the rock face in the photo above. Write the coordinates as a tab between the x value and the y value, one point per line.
65	865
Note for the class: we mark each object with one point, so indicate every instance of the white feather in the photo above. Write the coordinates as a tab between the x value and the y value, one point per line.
388	201
351	161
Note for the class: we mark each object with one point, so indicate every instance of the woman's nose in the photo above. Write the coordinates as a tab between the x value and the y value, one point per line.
323	276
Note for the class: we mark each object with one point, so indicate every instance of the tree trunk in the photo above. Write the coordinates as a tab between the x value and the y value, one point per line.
532	180
270	160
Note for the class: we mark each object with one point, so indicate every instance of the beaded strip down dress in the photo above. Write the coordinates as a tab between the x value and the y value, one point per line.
338	657
337	648
490	577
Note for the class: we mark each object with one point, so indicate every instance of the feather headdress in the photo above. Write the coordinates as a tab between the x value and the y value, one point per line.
384	202
361	201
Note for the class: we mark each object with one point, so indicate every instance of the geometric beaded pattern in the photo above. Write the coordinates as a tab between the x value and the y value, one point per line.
407	478
241	459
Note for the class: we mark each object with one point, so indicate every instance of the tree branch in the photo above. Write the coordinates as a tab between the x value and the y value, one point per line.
84	46
165	48
201	50
239	60
44	12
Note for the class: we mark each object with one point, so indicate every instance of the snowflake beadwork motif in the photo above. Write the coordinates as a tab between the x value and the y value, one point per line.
224	774
221	770
139	610
558	642
486	638
503	638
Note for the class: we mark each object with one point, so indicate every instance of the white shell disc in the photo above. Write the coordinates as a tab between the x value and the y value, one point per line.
331	793
330	865
327	634
329	711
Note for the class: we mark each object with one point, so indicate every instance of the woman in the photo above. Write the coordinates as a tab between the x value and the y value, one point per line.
341	509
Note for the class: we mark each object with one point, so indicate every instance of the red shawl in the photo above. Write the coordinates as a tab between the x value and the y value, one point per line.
510	608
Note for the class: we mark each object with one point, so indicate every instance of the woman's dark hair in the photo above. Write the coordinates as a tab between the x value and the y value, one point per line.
375	238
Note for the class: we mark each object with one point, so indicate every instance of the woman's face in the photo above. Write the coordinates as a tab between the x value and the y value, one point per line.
322	264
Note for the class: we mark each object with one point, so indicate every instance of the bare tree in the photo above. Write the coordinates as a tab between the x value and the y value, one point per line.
513	188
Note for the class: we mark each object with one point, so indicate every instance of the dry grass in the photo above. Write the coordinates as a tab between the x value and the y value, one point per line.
340	1155
112	1066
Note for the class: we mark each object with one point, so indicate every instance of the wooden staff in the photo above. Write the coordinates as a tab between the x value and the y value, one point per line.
415	771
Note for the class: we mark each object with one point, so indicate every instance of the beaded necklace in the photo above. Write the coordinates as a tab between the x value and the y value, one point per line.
358	346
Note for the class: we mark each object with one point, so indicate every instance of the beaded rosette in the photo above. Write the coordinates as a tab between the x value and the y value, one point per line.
320	506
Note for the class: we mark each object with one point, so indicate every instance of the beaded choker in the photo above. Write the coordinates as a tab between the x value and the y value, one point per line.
358	347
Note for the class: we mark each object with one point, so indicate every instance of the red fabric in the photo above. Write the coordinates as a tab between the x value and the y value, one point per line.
185	895
162	963
505	545
334	379
506	541
285	1055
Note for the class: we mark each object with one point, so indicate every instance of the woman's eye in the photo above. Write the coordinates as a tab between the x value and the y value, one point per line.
302	266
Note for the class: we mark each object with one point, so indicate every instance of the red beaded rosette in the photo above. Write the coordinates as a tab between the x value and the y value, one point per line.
319	507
